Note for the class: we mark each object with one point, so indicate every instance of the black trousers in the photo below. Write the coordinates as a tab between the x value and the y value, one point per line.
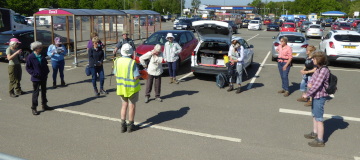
149	85
232	72
37	85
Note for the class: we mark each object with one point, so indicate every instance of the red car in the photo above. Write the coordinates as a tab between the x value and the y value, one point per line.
300	22
355	23
340	26
186	40
288	27
267	21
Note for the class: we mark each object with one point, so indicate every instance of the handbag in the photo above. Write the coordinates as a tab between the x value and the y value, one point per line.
87	70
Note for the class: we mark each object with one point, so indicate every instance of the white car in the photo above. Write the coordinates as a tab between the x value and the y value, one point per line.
255	25
314	30
214	41
341	45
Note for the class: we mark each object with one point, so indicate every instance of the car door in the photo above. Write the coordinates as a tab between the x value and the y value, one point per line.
325	41
185	47
247	55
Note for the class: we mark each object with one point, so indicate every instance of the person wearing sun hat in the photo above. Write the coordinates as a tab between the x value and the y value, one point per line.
171	56
56	52
14	69
128	86
123	41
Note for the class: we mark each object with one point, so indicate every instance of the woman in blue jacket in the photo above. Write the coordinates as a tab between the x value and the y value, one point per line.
57	52
36	66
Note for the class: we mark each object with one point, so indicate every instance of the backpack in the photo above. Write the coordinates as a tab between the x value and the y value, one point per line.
332	88
222	80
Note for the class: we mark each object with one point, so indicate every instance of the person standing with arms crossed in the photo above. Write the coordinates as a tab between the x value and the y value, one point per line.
123	41
14	68
128	86
171	56
96	59
318	84
284	64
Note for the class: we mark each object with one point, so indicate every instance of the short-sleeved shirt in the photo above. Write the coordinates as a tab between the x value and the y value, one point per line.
285	53
309	65
15	60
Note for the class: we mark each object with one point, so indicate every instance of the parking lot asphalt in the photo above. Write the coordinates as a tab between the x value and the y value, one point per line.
196	120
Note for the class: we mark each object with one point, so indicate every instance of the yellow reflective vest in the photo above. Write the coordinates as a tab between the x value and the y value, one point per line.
126	85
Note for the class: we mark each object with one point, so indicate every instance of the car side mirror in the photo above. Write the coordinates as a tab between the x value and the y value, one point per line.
251	46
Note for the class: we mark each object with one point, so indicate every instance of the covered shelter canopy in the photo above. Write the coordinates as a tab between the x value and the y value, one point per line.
75	26
333	13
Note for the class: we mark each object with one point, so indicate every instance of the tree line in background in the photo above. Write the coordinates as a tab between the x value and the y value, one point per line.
306	7
29	7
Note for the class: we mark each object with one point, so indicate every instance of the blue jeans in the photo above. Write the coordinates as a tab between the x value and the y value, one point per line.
304	82
58	66
317	108
284	75
94	73
172	68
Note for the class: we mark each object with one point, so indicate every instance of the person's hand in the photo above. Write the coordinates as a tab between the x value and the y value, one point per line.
18	51
284	68
309	85
302	72
304	96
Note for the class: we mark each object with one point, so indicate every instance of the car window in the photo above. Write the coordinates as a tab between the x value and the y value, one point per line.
344	25
244	43
294	39
44	37
347	38
160	38
328	35
215	46
183	38
28	37
255	22
189	36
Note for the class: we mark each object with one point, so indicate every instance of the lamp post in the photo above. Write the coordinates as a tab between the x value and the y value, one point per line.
181	8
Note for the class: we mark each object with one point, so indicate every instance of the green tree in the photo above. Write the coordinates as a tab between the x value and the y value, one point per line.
23	7
86	4
146	5
195	5
355	6
68	3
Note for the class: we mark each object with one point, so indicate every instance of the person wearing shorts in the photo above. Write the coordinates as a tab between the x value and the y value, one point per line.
127	86
317	85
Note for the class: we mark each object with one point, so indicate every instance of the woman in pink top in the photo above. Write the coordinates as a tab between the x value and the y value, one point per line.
284	64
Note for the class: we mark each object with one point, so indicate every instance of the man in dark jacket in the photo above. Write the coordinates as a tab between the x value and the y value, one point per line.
36	66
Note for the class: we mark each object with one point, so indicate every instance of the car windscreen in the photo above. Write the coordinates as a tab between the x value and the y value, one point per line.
254	22
347	38
4	38
344	25
160	38
184	21
315	26
294	39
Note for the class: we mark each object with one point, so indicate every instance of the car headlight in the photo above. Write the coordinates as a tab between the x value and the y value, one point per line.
184	25
174	25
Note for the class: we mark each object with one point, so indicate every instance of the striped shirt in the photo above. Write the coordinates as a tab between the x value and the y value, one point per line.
319	81
285	53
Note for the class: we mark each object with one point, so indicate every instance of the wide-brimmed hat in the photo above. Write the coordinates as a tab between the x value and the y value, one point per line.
57	40
126	50
169	35
14	40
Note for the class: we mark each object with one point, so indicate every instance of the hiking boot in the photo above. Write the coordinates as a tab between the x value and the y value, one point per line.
286	94
230	88
311	135
281	91
317	143
175	81
54	85
34	111
130	127
301	99
123	127
63	83
96	92
158	99
46	107
13	95
308	104
20	93
171	80
102	91
238	90
147	99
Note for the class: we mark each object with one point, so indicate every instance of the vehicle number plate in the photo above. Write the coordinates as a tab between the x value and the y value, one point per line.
0	53
178	27
314	34
272	28
350	47
295	54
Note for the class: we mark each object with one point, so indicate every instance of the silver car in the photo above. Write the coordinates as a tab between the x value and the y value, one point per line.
304	25
314	30
297	41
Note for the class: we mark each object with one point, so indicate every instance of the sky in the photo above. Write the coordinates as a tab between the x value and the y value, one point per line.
227	2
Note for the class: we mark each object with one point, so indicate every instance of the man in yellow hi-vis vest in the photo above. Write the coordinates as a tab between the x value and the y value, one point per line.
127	86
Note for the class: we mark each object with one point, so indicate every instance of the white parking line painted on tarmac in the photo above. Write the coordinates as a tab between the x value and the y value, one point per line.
189	74
290	111
70	69
258	72
333	69
252	37
154	126
357	158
